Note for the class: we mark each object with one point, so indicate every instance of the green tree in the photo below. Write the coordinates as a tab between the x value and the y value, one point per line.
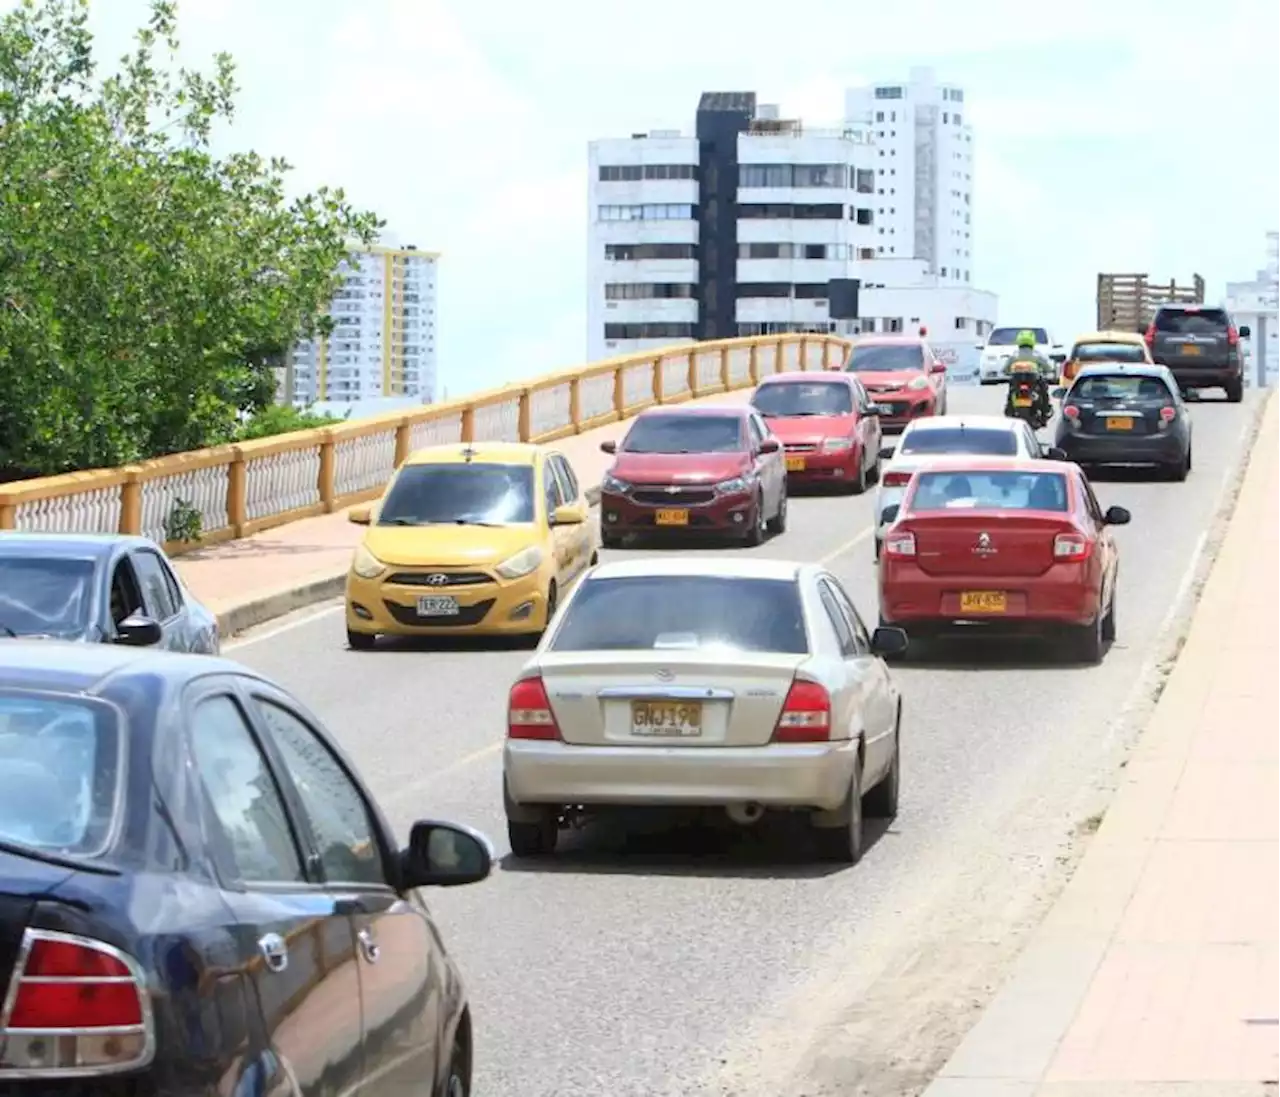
147	286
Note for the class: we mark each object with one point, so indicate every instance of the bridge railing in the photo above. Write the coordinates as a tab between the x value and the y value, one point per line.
231	491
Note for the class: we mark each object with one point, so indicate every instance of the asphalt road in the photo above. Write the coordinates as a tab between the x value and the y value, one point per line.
669	961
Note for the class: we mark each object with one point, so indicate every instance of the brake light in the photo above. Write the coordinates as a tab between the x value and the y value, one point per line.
1071	412
76	1005
1150	336
1068	547
896	479
900	544
529	714
1233	336
1168	414
806	714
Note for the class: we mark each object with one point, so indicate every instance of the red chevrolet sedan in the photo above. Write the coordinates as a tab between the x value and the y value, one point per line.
1015	543
828	428
903	375
707	469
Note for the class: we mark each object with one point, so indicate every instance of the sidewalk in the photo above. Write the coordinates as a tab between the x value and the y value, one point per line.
275	572
1155	973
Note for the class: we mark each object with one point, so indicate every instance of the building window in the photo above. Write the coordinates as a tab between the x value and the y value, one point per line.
785	211
655	330
893	324
862	216
889	93
789	250
762	289
955	118
793	175
648	291
811	291
961	323
660	211
879	116
865	180
630	252
632	173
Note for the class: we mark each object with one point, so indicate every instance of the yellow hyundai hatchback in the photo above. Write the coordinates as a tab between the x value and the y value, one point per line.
469	539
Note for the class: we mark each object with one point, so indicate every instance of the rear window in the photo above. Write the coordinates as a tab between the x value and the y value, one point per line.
1108	352
886	359
1109	387
995	443
1200	322
684	434
990	490
645	613
1007	337
59	767
789	398
52	596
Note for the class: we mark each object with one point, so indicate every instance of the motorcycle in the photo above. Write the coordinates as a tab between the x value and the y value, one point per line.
1026	399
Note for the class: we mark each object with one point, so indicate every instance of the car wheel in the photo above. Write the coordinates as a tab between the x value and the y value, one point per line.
879	548
1086	640
361	641
553	600
779	523
756	534
1179	471
1109	621
858	484
458	1080
843	844
882	801
873	476
534	839
1234	390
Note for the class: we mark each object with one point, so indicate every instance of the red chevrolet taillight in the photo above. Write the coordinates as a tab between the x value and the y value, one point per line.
1168	414
896	479
806	714
1070	411
76	1006
1150	335
900	544
1071	547
1233	336
529	714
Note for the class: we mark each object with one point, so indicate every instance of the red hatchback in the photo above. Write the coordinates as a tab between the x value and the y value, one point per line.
1010	542
829	431
902	375
695	470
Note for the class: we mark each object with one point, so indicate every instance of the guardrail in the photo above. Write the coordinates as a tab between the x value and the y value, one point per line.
219	494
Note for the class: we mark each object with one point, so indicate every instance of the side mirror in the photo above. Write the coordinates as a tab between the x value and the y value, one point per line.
886	453
1053	453
444	855
1060	359
887	641
1058	393
938	367
890	514
360	515
1246	331
869	410
609	447
139	631
567	514
770	445
1116	516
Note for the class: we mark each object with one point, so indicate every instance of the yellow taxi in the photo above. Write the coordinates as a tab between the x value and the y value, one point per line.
1105	346
477	538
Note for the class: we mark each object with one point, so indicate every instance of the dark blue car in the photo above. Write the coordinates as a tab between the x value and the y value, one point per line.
199	897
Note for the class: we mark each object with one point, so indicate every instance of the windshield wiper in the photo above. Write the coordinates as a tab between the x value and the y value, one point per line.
477	522
403	522
8	631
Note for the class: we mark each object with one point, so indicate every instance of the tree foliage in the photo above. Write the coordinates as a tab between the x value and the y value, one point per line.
147	286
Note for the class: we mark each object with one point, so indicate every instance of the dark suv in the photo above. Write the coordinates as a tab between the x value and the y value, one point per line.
1201	347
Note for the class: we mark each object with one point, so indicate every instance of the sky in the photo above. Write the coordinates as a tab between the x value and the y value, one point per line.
1125	135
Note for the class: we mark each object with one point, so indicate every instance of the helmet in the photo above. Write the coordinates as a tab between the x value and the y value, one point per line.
1026	338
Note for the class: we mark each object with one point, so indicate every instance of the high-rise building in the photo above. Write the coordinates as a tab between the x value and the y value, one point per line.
1256	303
384	333
759	224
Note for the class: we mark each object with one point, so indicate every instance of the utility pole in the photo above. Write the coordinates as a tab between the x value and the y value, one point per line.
1260	350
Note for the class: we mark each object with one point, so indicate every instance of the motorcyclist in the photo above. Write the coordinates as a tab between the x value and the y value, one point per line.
1026	354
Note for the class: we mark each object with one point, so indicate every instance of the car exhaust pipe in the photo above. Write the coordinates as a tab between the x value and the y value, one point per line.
745	815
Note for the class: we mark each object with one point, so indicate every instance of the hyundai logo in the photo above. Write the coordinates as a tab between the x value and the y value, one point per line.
437	580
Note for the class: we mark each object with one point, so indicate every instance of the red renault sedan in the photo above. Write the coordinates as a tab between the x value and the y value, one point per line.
708	469
902	375
829	431
1015	543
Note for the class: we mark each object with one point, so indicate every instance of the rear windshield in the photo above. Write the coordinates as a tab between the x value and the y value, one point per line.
892	358
1200	322
1003	490
59	764
684	434
459	495
1007	337
996	443
684	611
1107	387
793	398
1108	352
44	597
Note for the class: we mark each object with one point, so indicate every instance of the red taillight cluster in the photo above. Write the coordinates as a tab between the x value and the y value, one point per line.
900	544
529	714
1150	335
806	714
75	1005
896	479
1168	414
1233	336
1069	547
1070	411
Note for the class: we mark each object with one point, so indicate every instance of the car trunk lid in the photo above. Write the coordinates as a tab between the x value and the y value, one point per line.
993	544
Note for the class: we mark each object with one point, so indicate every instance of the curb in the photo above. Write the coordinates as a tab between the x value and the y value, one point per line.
263	608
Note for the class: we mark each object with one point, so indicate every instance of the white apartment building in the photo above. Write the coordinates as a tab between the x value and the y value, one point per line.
384	335
752	226
1256	304
924	170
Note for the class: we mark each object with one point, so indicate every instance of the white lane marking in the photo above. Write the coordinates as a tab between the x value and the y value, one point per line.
850	544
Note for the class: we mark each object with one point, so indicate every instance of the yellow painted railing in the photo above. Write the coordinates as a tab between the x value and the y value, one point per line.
231	491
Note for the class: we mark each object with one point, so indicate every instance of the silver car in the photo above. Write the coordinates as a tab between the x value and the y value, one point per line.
740	685
984	435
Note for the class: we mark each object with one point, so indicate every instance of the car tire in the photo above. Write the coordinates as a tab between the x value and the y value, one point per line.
756	534
1179	471
528	840
873	476
882	801
1086	641
878	549
1234	390
858	484
553	600
842	844
1109	621
778	525
458	1081
361	641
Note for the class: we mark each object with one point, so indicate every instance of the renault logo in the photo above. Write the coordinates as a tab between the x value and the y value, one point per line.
437	580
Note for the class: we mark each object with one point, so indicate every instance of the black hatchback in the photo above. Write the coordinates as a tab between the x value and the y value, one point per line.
1117	414
1201	346
199	897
